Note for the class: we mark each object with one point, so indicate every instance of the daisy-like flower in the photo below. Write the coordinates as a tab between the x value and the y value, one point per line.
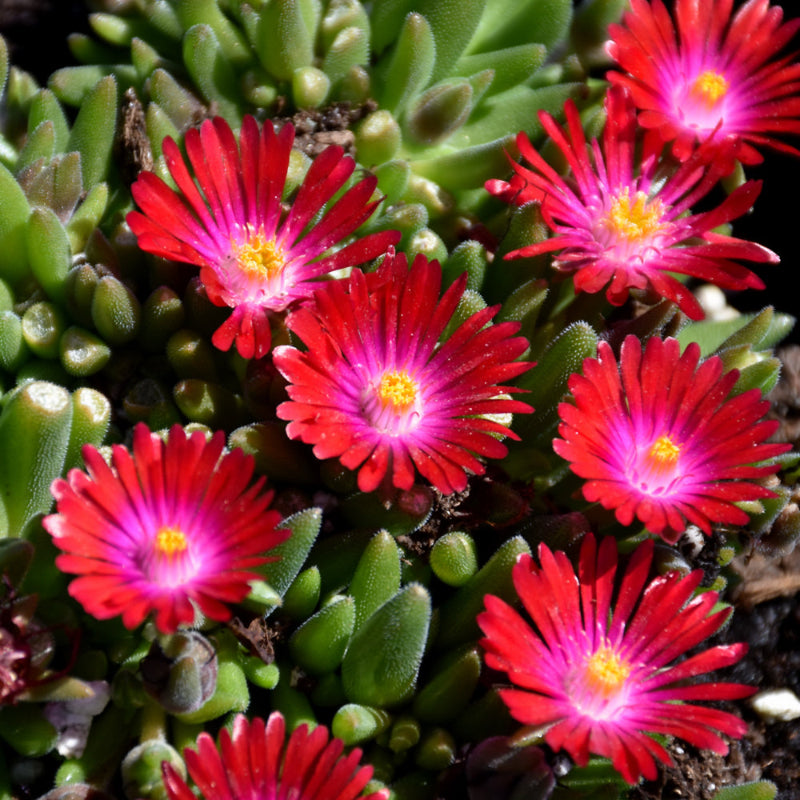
597	669
660	438
709	71
229	223
168	527
379	391
257	763
620	223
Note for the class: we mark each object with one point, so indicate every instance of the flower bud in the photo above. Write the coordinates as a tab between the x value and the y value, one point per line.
141	770
180	671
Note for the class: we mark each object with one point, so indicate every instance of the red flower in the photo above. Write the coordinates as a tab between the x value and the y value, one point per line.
710	72
378	390
660	437
257	763
599	671
171	526
620	224
250	258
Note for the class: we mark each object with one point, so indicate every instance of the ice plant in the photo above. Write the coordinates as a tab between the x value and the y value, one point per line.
619	223
659	437
597	668
708	70
169	526
378	390
256	762
231	224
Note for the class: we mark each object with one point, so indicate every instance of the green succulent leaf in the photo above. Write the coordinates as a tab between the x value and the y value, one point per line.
377	576
320	643
458	613
212	72
754	790
92	134
13	227
380	667
40	144
453	23
411	65
511	66
285	38
34	437
232	43
292	553
49	252
508	23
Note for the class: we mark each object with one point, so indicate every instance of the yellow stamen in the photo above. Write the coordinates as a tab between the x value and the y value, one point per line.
709	86
664	452
637	219
606	672
259	257
398	390
170	541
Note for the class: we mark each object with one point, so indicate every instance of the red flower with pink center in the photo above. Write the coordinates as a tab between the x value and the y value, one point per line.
661	437
619	224
256	762
597	667
708	71
229	221
173	525
378	389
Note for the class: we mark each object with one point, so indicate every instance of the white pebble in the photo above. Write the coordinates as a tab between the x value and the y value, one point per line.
776	705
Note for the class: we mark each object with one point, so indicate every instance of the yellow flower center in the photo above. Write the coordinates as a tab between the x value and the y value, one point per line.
606	672
398	390
709	87
170	541
258	257
664	452
635	219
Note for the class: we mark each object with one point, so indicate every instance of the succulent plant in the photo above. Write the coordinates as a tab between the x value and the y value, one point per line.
364	618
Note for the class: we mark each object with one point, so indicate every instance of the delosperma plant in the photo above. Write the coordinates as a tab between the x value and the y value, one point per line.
358	389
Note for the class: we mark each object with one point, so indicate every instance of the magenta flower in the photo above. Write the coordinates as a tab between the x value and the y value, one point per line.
660	437
379	391
168	527
710	72
257	763
597	668
620	224
230	223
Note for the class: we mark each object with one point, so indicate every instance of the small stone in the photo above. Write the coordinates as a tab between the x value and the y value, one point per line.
776	705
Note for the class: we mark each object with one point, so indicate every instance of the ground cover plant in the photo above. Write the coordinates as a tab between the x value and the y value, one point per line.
377	414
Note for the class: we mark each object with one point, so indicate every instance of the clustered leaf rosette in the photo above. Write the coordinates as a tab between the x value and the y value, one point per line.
597	666
661	437
709	71
378	390
256	762
231	224
26	647
620	224
169	526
